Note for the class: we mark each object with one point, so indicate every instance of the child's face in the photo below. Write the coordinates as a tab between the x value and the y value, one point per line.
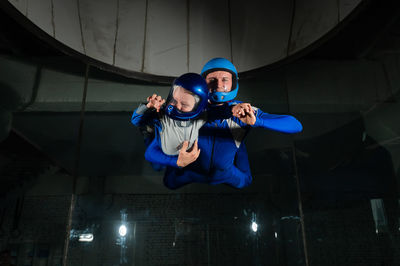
183	100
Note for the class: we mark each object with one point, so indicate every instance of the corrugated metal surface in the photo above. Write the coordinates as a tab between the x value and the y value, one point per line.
67	24
346	6
209	32
168	38
40	12
130	34
99	28
312	19
260	32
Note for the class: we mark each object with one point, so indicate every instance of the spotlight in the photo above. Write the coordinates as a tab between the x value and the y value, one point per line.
254	226
122	230
85	238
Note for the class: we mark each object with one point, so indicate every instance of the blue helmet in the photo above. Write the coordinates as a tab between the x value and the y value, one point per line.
222	64
194	85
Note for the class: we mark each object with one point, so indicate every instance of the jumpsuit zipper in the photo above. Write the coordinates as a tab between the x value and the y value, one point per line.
212	152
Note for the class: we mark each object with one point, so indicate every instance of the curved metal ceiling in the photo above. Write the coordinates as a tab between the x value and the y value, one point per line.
168	38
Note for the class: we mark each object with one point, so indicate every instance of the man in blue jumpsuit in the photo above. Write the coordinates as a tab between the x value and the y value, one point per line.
223	157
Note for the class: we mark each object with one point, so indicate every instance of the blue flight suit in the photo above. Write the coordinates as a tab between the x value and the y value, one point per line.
223	157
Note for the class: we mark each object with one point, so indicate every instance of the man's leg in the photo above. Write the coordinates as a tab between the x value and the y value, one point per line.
237	175
175	178
243	165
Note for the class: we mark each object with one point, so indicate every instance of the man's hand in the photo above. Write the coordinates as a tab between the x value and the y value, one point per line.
187	157
245	113
155	101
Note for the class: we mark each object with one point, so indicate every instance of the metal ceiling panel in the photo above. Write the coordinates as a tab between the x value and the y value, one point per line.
130	34
346	6
312	19
260	32
67	24
41	13
209	32
21	5
166	38
99	20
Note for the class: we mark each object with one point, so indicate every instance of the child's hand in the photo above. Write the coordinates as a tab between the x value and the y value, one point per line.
155	102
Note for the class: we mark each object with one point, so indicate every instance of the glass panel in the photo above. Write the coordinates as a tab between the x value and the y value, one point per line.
37	158
195	225
347	160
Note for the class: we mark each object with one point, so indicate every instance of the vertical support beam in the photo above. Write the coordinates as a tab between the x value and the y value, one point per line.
134	245
230	29
80	26
116	33
52	19
188	34
76	169
145	36
80	133
208	244
296	175
291	29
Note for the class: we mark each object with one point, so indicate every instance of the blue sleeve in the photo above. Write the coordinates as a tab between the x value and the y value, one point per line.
154	154
280	123
143	116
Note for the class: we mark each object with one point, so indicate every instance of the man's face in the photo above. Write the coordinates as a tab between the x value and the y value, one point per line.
183	100
219	81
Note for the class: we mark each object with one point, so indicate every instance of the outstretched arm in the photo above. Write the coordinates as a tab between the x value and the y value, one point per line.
256	118
280	123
